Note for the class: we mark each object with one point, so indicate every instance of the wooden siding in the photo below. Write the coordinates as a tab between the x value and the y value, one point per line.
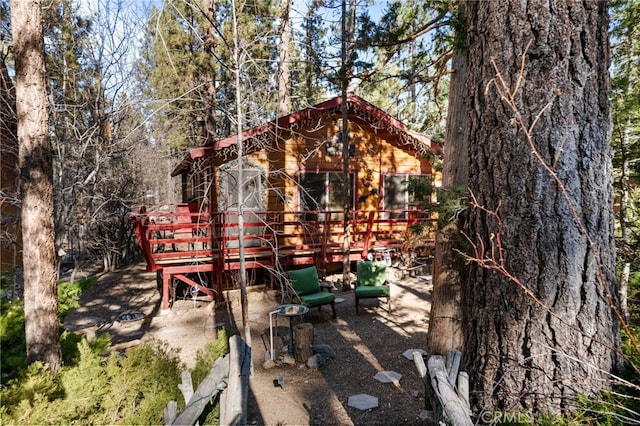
376	155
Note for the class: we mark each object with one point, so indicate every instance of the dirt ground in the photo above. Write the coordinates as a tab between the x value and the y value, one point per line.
364	344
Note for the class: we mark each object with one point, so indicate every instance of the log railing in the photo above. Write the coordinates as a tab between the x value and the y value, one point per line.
228	379
446	387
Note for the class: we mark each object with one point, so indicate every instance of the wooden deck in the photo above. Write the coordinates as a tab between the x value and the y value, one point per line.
182	240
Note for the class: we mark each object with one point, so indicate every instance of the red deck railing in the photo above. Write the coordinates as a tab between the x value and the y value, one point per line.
183	239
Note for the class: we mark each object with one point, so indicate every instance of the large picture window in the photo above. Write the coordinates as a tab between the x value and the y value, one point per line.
406	192
324	191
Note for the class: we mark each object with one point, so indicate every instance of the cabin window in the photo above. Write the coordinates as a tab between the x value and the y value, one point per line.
252	190
324	191
253	205
406	192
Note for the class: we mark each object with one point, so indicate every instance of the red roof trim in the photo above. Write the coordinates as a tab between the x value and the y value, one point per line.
287	120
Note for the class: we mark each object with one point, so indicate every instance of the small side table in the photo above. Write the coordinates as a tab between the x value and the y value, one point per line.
291	310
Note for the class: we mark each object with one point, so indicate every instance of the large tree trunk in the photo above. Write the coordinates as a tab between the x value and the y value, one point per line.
449	269
36	185
537	343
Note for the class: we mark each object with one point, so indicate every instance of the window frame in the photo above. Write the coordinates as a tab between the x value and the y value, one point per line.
407	203
326	200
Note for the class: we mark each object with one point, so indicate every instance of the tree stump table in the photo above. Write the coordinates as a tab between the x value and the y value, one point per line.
303	338
292	310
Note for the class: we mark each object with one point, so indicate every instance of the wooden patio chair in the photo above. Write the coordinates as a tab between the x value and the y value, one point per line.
308	291
371	281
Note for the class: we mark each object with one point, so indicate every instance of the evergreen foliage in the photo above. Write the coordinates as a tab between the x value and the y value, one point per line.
69	295
185	70
130	389
412	45
205	359
12	332
625	138
133	388
12	339
451	202
308	77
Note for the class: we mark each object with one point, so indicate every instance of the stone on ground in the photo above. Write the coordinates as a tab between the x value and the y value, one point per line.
408	354
324	350
363	401
388	377
314	361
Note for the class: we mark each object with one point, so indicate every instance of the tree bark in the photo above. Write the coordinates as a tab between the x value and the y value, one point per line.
537	343
283	61
449	270
345	74
625	228
210	124
36	185
303	337
455	168
445	321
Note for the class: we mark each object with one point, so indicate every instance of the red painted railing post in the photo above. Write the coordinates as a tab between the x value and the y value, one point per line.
367	235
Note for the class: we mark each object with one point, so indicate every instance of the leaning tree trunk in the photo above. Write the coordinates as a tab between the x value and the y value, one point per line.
36	186
539	339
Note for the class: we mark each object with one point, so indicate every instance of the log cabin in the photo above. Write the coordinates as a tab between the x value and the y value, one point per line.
288	193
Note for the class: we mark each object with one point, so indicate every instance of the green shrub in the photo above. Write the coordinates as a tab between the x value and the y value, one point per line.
12	339
129	389
69	295
69	344
142	383
205	359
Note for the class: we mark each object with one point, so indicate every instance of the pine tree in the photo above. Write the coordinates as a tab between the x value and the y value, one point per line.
36	187
540	301
625	137
412	44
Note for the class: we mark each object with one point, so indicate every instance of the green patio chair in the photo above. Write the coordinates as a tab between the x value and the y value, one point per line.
371	281
308	291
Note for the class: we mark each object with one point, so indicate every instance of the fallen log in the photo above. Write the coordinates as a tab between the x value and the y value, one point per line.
449	403
430	395
233	401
